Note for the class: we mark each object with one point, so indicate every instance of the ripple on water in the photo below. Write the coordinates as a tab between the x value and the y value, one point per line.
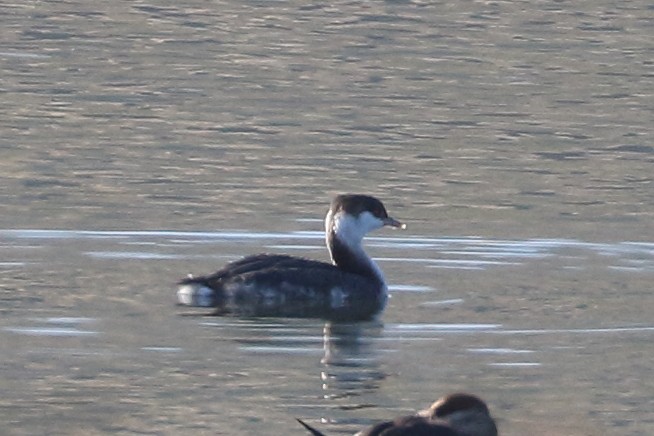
515	364
466	253
163	349
499	351
497	329
443	328
49	331
131	255
409	288
442	302
65	326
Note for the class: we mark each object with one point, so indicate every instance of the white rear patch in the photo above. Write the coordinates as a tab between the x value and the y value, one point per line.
193	294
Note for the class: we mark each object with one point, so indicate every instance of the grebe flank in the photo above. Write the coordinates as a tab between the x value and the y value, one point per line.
351	288
453	415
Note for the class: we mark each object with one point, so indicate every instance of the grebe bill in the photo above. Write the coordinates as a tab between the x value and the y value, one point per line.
351	288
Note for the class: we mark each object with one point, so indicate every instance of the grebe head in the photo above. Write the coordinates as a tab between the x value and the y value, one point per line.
466	413
352	216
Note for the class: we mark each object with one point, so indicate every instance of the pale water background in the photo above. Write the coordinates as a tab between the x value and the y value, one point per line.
141	141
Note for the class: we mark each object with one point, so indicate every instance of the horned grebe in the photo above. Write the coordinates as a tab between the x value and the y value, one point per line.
452	415
352	288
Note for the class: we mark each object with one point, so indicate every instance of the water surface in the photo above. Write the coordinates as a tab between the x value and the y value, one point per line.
142	142
104	349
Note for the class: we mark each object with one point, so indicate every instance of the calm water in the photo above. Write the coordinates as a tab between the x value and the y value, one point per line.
144	141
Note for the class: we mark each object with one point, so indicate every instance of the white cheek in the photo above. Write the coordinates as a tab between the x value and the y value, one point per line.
351	230
369	222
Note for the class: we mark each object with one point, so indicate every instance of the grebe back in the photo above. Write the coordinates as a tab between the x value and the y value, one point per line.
352	287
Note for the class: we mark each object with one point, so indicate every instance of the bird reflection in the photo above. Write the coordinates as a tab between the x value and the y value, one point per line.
350	363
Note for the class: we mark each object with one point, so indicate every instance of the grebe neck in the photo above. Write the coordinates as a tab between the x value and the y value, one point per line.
344	237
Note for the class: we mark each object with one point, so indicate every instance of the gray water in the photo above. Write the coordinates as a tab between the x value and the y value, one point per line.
144	141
